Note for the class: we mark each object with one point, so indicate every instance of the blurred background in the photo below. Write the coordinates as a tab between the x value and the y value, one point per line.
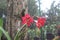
10	12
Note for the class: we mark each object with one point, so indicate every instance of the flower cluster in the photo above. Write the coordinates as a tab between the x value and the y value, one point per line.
29	20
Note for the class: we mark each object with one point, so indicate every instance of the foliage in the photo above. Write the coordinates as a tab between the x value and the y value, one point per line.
32	7
53	13
3	4
1	24
5	33
19	33
33	33
52	20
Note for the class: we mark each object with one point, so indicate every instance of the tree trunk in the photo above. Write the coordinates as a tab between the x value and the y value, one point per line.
14	7
9	17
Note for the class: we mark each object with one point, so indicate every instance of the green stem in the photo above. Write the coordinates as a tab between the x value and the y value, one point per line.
0	37
19	32
42	34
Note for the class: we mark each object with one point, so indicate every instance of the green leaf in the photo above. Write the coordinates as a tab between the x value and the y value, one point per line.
5	33
1	24
17	35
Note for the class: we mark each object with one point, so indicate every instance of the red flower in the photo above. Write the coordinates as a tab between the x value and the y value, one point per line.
27	16
23	20
27	19
40	22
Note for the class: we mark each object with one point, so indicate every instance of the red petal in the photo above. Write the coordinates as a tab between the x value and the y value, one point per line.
41	22
27	19
27	16
23	20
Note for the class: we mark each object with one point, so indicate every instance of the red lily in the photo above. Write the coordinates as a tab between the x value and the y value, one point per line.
27	19
40	22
